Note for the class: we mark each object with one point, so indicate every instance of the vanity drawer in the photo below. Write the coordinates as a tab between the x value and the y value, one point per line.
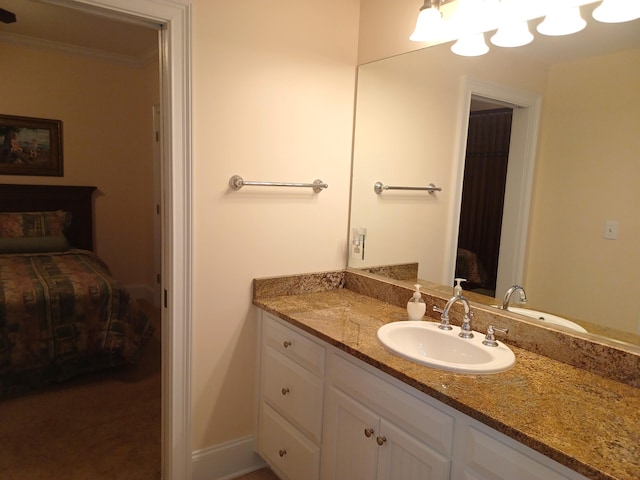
294	345
293	392
286	450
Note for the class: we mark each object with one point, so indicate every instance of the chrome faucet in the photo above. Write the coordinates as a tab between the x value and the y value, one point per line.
511	291
465	330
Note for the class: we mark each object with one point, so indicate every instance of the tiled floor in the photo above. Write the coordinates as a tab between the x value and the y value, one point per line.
263	474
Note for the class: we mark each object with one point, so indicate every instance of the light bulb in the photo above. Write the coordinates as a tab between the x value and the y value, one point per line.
512	34
563	21
470	46
428	26
617	11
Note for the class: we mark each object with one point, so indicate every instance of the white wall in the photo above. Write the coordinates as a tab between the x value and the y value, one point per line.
273	90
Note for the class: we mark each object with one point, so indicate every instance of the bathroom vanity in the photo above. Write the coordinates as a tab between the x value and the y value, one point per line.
335	404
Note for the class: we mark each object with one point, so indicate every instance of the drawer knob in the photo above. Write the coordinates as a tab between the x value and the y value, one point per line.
286	343
285	391
368	432
282	452
381	440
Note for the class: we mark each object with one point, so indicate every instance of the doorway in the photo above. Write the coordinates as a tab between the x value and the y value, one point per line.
519	176
175	72
483	188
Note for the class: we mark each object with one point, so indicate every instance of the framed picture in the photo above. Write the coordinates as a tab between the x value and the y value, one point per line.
30	146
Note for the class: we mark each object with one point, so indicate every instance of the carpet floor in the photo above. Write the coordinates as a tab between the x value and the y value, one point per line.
262	474
103	426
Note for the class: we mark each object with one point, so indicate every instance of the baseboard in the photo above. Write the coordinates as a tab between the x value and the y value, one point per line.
141	292
226	461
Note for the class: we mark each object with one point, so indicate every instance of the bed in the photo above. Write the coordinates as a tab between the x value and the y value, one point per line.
62	314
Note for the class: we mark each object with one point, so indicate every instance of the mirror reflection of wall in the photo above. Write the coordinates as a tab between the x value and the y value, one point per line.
407	125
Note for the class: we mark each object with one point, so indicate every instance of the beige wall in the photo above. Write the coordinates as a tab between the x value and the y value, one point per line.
273	92
385	27
588	174
106	111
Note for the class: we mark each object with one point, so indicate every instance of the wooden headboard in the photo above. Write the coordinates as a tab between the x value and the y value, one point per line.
44	198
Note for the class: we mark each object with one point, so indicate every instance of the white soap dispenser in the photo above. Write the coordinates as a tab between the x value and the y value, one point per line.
457	289
416	306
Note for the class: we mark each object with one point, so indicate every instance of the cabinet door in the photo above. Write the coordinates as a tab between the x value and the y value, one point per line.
484	456
403	457
349	448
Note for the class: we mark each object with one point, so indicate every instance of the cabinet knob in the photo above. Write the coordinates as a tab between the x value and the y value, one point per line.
286	343
368	432
285	391
282	452
381	440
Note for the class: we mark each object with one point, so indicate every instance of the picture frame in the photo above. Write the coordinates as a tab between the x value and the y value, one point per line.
30	146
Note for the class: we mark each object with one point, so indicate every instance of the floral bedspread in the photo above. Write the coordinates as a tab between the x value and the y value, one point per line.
62	314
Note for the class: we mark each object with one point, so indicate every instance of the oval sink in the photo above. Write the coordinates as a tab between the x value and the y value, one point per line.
547	317
424	343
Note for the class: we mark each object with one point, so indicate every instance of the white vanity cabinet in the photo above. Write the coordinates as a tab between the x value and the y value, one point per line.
291	401
395	436
485	453
325	414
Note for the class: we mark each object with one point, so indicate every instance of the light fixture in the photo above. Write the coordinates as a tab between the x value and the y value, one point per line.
616	11
512	34
429	26
513	28
564	20
470	17
467	20
470	45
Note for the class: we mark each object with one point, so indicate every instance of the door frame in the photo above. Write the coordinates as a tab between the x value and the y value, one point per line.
522	154
175	91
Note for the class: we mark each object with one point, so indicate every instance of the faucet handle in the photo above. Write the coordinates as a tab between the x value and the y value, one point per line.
490	338
444	319
465	328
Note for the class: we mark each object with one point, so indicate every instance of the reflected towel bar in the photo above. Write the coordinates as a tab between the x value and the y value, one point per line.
379	187
236	183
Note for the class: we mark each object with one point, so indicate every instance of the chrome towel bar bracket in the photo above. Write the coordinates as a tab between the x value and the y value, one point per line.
379	187
236	183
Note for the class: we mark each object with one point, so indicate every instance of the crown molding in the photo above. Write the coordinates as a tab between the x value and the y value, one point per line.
34	42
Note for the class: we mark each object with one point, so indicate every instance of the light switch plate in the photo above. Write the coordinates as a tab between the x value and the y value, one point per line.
611	230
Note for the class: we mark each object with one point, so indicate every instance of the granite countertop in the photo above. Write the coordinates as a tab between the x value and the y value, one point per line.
588	423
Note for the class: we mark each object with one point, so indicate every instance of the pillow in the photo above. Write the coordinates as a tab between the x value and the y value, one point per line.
50	243
33	224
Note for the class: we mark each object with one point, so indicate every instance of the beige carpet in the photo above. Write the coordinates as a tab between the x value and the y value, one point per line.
100	427
262	474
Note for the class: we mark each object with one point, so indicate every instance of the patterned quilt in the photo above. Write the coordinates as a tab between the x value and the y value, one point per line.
62	314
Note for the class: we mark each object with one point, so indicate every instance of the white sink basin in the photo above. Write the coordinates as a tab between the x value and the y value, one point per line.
547	317
423	342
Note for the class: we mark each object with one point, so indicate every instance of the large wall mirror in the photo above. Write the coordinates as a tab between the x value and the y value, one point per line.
570	231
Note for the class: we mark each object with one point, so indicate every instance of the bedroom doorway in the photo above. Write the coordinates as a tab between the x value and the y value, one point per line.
175	65
172	19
